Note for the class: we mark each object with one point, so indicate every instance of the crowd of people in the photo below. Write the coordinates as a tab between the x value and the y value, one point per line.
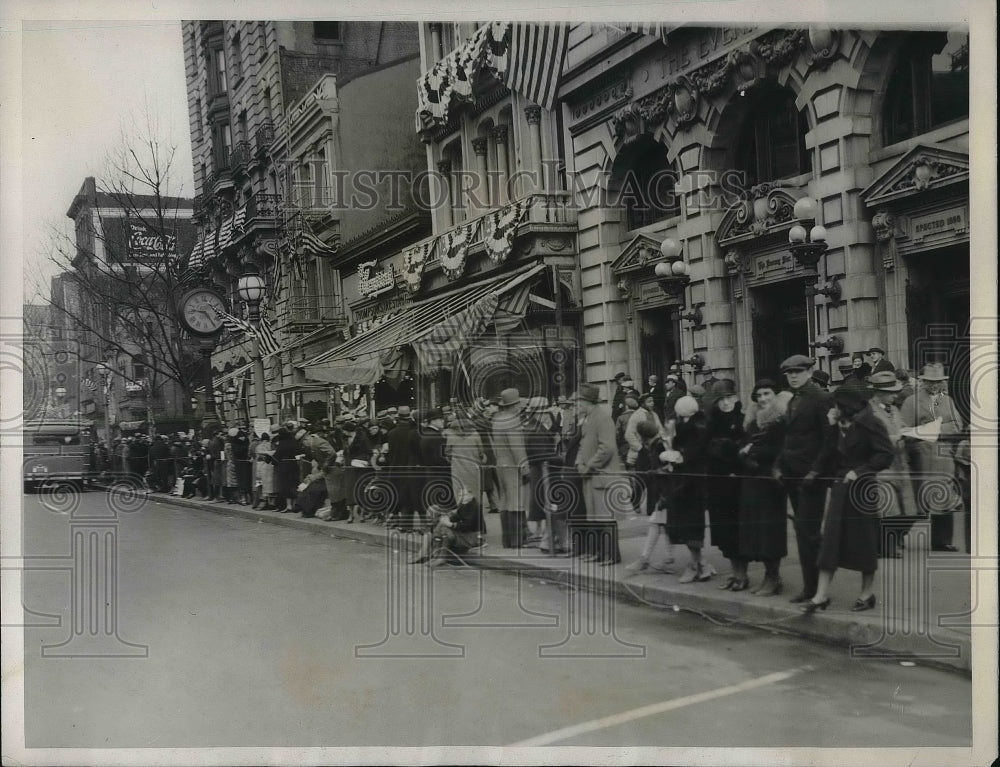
856	467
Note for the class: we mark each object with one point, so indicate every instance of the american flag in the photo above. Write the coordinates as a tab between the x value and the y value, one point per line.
264	332
312	245
88	384
234	324
535	60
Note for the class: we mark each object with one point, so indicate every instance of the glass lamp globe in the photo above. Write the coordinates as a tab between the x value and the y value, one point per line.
670	248
797	234
662	269
679	268
805	209
818	234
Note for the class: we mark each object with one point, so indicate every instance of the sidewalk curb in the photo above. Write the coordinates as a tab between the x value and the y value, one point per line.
835	627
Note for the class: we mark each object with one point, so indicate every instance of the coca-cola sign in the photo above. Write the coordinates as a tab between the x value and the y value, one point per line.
144	243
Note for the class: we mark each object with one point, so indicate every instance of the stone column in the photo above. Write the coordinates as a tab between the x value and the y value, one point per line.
445	197
503	163
481	193
533	115
436	53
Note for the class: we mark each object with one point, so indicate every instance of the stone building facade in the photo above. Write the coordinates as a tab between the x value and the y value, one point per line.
711	138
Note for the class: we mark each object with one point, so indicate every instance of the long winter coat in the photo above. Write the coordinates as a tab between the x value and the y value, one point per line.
851	527
466	455
725	433
808	436
763	501
598	462
511	459
686	511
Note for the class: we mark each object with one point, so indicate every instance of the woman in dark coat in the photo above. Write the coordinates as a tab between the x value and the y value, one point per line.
286	469
851	527
357	462
686	505
763	501
724	419
244	471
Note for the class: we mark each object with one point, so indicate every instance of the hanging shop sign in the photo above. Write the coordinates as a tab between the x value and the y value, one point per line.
375	283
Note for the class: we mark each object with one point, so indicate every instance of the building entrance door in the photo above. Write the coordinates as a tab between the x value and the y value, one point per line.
779	326
658	347
937	316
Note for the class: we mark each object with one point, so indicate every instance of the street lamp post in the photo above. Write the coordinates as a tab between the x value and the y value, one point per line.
104	372
251	291
673	277
218	396
231	396
808	248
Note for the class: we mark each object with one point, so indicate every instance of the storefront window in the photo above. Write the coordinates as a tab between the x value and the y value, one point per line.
929	85
772	143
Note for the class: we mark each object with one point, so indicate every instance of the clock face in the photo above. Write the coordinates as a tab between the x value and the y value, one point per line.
201	312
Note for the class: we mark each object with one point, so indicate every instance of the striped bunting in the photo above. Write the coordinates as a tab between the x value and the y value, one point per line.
311	245
269	345
225	233
208	250
234	324
536	58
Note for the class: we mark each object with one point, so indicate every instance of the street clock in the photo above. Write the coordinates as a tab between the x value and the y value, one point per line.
201	312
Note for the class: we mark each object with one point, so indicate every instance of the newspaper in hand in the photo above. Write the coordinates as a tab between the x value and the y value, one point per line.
929	432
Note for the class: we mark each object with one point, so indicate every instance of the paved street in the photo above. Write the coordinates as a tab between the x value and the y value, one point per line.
253	633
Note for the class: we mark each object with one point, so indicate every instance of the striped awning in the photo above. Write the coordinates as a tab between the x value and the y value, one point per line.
208	249
362	360
197	258
225	233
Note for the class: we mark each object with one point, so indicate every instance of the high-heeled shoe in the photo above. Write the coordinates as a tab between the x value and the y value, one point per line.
810	607
864	604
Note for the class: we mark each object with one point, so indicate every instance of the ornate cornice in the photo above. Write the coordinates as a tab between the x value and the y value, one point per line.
769	207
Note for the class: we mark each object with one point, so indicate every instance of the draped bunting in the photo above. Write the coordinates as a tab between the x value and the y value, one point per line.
450	80
225	233
499	228
414	261
436	349
454	247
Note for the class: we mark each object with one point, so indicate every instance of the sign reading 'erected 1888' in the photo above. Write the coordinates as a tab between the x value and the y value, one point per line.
941	222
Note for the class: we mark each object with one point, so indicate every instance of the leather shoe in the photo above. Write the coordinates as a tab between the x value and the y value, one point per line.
810	607
863	604
800	597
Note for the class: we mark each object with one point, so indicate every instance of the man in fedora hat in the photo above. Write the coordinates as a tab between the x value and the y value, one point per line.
597	462
878	362
510	454
885	387
932	429
804	463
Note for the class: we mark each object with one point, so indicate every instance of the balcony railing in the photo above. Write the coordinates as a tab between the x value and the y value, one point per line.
313	309
548	211
263	205
263	137
239	158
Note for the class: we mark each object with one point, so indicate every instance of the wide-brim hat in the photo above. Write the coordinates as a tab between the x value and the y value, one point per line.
933	371
403	411
723	387
509	397
620	376
885	381
821	377
589	393
797	362
852	394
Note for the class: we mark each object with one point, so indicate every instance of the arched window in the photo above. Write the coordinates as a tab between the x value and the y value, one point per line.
928	87
644	182
771	144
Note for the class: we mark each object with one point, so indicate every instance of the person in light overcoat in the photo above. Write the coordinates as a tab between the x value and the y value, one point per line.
509	447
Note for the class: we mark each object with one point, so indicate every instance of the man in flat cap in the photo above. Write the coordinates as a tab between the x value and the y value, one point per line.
803	463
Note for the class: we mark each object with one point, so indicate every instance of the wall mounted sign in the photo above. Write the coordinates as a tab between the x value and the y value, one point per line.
375	283
941	222
771	264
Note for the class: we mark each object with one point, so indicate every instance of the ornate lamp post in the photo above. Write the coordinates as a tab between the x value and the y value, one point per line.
673	277
251	291
808	248
231	396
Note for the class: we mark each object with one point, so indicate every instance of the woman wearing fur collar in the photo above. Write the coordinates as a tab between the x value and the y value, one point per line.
763	534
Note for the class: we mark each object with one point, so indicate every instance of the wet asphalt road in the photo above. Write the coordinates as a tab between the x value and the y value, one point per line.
260	635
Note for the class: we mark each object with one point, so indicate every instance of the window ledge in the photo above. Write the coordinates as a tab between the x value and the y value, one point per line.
950	130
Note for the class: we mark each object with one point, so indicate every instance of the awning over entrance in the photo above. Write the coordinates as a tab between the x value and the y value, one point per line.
435	328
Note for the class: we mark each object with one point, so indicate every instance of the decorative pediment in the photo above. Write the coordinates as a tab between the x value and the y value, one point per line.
639	255
923	168
767	210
